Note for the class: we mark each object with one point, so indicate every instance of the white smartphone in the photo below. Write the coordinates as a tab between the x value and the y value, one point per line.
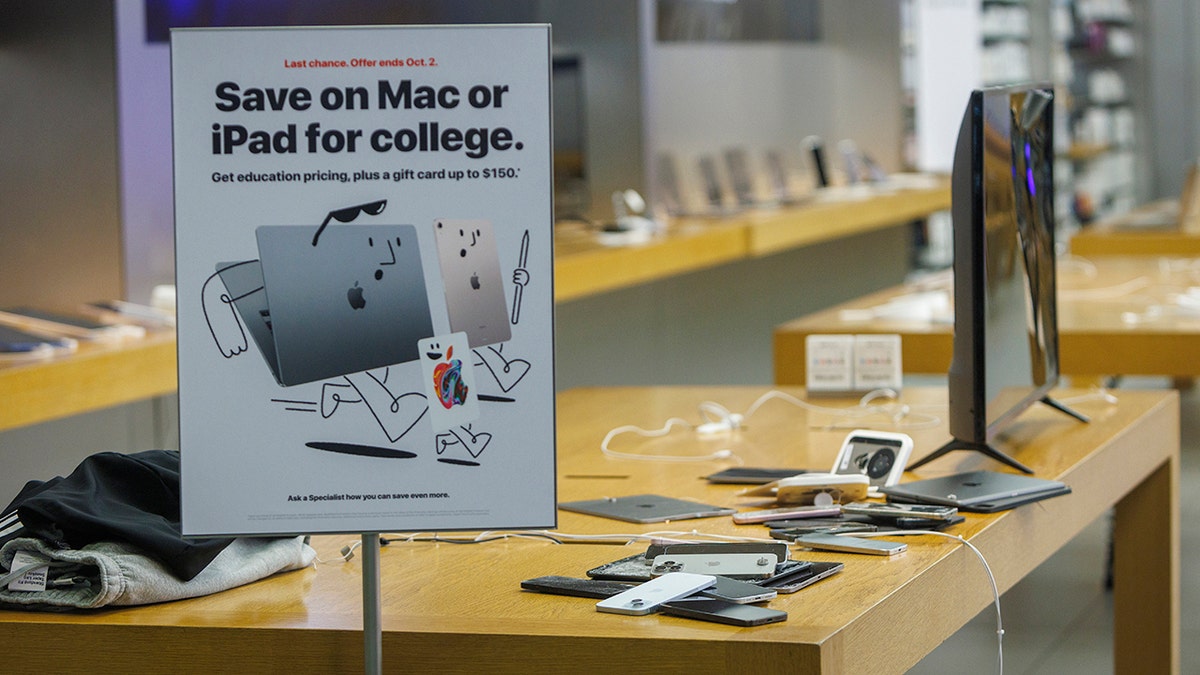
879	455
784	513
821	489
745	565
647	597
833	542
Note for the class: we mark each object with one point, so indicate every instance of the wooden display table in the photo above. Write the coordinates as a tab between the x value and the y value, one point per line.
1152	229
98	375
458	608
1116	316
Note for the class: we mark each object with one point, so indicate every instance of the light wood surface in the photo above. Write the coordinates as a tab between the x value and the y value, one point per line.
583	265
1116	315
841	214
458	608
1151	230
97	376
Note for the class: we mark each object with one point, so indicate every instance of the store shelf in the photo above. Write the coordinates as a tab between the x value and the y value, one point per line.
96	376
585	266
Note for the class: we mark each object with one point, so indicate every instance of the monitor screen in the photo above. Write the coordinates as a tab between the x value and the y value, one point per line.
1005	313
1019	311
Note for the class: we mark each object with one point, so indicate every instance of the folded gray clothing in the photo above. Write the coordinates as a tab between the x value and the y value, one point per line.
115	573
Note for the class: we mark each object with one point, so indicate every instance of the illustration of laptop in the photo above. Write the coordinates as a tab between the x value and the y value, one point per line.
471	275
355	300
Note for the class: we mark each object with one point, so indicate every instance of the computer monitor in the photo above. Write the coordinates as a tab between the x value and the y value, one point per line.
1005	313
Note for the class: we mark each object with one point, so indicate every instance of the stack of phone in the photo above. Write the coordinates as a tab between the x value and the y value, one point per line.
825	534
663	579
787	522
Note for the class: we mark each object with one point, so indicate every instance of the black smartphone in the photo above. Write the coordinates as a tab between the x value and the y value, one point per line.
15	340
721	611
810	575
580	588
741	592
751	475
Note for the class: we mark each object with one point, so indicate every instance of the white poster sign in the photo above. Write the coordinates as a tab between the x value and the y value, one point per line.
364	277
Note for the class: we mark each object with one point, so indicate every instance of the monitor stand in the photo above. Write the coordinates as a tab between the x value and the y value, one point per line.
988	450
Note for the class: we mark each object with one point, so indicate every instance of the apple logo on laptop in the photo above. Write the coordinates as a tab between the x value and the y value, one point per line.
355	296
475	281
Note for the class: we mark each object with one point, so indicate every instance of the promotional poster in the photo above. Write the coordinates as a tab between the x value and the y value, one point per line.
364	236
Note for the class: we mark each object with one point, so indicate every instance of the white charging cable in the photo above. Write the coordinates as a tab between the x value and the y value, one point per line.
987	568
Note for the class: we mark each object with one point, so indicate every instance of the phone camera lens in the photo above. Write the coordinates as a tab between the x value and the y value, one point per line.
881	463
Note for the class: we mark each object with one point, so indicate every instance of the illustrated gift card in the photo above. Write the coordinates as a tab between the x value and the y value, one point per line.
449	381
471	275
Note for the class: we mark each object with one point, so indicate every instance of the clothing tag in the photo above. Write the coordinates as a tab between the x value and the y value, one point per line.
32	580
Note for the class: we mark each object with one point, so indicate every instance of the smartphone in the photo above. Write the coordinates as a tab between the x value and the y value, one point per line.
741	592
580	588
764	515
737	565
14	340
925	523
648	597
809	575
119	311
821	527
720	611
79	327
817	151
879	455
749	475
780	551
831	542
888	510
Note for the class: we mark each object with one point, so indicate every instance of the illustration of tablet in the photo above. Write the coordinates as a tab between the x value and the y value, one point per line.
471	276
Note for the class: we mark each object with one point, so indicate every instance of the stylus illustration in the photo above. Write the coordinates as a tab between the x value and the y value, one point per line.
520	278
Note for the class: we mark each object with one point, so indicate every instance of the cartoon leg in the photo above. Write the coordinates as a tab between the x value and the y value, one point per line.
463	437
333	394
506	373
397	415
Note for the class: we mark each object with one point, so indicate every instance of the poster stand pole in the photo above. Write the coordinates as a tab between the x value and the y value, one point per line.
372	606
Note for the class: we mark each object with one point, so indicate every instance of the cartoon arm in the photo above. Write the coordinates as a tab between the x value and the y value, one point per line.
222	318
520	278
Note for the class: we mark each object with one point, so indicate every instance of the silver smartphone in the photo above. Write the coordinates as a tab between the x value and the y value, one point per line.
846	544
737	565
784	513
889	510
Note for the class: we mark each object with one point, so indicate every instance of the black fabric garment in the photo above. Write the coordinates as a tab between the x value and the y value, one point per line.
115	497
